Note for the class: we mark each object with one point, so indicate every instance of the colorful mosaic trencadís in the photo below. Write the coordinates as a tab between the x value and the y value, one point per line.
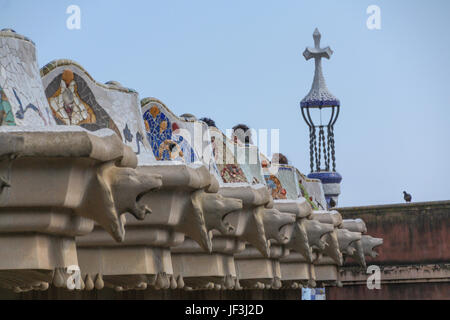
305	194
163	136
73	103
6	114
230	170
274	185
232	173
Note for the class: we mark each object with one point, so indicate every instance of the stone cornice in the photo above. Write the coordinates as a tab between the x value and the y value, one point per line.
386	208
399	274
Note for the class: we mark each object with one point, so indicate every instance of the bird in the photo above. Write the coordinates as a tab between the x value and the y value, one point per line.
407	196
332	203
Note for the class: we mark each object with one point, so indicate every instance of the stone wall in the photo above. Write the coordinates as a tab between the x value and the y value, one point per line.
394	291
414	258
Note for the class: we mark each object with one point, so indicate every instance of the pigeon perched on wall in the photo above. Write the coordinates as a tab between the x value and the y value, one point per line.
332	203
407	196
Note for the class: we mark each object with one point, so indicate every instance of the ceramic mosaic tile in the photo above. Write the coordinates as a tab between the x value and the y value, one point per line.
312	190
248	157
73	103
23	102
6	113
229	169
164	135
275	187
288	178
274	184
76	98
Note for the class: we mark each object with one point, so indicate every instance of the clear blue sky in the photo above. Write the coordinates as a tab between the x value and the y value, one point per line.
241	61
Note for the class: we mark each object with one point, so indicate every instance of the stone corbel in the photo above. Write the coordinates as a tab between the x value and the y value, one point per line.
356	225
215	270
297	269
206	271
320	237
298	238
317	233
369	244
258	272
327	271
249	220
332	249
330	259
331	217
358	254
143	259
117	190
297	272
55	184
178	202
180	208
345	239
215	207
275	224
300	208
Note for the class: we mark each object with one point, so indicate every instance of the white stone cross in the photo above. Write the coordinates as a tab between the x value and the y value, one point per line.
317	52
318	95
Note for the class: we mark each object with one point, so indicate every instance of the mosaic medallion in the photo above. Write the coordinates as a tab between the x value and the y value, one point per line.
73	103
164	139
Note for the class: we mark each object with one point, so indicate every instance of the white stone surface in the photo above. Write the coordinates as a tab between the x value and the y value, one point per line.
332	188
19	72
314	188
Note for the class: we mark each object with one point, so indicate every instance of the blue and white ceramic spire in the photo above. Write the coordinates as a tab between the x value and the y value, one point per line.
319	94
322	146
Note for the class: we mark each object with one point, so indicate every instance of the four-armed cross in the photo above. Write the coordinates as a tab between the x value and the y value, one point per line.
317	52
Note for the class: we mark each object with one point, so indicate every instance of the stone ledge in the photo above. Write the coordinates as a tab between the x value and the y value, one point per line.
399	274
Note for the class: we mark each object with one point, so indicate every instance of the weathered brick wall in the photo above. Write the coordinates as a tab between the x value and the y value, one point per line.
416	236
393	291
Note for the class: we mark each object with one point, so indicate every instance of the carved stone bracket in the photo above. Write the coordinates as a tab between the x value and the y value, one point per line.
249	220
297	234
58	184
180	208
297	272
256	271
241	209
